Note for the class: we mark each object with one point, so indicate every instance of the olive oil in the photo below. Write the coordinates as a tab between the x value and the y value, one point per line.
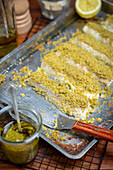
13	134
17	150
7	43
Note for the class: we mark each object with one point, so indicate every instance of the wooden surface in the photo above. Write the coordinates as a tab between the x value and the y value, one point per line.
107	162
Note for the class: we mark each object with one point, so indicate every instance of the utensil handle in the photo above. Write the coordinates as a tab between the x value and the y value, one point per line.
13	93
94	130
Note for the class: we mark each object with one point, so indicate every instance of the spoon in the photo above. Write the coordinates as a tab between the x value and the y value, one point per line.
13	93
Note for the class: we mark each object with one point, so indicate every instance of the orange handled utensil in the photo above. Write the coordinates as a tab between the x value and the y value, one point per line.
64	122
97	131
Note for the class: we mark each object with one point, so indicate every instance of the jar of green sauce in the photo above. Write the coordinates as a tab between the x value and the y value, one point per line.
20	147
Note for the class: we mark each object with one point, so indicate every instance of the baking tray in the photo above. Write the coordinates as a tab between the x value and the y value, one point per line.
76	144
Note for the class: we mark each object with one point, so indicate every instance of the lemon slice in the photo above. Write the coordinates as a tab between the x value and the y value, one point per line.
88	8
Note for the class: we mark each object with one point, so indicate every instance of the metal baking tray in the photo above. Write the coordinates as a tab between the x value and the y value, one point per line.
76	144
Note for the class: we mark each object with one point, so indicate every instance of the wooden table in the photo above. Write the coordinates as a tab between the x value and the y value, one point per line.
107	162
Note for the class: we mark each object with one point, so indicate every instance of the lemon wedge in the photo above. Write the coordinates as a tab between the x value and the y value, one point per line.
88	8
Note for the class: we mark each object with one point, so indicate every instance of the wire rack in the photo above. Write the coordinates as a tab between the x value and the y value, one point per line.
48	157
39	23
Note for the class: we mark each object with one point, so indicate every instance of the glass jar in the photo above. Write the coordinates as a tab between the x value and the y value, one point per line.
53	8
8	40
20	152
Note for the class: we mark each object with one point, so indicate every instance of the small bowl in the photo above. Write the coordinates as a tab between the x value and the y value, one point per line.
51	9
21	152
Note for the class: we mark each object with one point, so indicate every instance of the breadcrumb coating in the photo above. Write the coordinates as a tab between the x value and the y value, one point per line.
74	74
59	89
2	78
93	65
103	32
109	19
108	23
99	32
97	45
64	98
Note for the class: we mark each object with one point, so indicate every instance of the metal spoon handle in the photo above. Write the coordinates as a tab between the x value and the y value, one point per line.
13	93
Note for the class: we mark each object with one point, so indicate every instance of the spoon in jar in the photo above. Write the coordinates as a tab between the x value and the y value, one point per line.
13	93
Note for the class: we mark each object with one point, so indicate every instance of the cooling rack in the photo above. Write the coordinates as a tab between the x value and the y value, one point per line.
39	23
47	156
